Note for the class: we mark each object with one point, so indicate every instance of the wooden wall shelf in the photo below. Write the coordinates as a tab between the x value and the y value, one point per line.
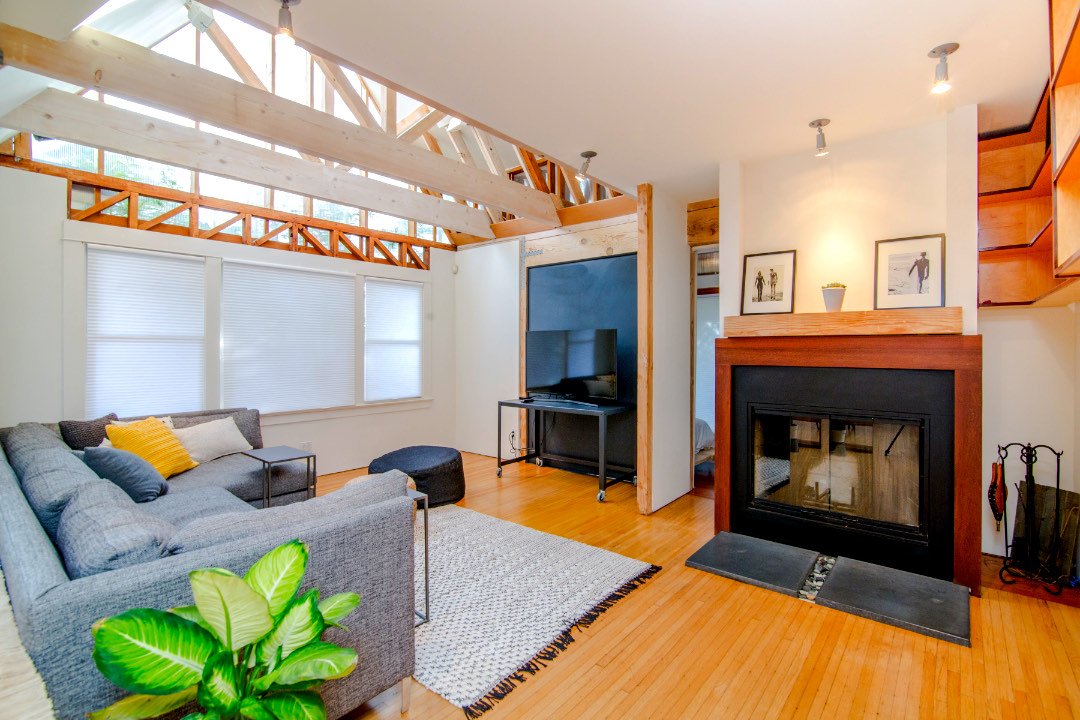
914	321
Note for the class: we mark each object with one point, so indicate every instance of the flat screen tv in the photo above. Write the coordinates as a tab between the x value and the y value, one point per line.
575	364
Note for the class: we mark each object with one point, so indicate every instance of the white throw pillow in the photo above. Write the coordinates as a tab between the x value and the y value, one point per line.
210	440
106	443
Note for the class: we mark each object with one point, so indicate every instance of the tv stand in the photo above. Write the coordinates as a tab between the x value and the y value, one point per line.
536	408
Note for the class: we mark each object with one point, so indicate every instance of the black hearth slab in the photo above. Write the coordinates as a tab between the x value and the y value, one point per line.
755	561
923	604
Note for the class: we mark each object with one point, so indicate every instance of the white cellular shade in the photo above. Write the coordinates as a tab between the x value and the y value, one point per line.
393	337
288	338
144	333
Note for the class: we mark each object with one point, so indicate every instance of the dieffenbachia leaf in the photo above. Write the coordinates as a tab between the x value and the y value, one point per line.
337	607
220	688
276	576
300	624
238	615
152	651
140	707
304	705
190	612
253	709
317	661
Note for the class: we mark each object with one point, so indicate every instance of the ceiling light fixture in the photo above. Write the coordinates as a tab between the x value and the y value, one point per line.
583	173
941	72
822	148
284	20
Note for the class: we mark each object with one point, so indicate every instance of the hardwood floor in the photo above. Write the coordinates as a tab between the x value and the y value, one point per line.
693	645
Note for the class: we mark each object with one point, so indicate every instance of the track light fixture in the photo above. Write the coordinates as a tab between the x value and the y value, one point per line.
583	173
941	73
822	149
199	15
284	20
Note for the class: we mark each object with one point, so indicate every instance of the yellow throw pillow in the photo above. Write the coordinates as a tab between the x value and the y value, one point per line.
154	442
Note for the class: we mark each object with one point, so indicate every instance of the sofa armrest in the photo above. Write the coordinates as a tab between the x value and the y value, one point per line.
367	549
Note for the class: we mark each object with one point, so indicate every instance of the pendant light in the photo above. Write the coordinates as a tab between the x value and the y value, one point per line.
583	173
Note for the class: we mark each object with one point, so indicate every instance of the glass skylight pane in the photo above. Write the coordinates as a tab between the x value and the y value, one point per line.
147	171
210	58
234	190
64	153
254	44
180	45
335	212
387	223
292	80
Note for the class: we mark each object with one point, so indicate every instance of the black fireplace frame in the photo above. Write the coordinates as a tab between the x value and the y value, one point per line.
922	396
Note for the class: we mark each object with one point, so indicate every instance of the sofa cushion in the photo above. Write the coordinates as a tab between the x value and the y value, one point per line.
246	420
211	440
79	434
130	472
102	529
179	509
242	476
217	529
47	470
153	441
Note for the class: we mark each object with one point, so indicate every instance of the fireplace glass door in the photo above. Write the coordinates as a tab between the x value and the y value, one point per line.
865	468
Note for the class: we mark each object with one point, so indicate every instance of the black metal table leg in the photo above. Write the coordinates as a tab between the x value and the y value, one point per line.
603	459
498	442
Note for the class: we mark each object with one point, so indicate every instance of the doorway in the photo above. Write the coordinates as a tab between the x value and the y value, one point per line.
705	308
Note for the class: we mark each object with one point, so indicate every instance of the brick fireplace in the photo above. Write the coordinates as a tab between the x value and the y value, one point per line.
864	446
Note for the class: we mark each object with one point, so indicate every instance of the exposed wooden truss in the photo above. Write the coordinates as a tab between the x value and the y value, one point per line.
572	215
91	58
421	125
63	115
149	207
356	104
703	222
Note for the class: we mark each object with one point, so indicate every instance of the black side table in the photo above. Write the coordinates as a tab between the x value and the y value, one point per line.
271	456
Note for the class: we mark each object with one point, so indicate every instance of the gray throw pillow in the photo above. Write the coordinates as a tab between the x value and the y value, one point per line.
79	434
102	529
134	475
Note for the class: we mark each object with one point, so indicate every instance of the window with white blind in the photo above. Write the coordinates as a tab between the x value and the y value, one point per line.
145	340
393	339
288	338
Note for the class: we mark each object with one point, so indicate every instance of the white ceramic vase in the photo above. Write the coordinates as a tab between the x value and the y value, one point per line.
834	298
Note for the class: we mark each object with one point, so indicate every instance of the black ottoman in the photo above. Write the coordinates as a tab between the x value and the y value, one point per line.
437	471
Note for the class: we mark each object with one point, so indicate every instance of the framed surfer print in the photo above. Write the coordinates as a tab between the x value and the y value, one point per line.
768	283
909	272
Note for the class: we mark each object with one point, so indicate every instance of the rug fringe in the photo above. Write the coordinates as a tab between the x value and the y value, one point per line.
556	646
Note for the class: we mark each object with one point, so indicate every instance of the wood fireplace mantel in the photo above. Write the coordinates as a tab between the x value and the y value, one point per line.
960	354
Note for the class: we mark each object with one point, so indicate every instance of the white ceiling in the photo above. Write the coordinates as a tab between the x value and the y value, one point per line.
665	91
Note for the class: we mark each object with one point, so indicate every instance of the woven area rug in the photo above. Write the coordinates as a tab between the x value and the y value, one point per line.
505	600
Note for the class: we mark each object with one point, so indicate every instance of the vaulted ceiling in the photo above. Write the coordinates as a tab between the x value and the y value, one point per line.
666	91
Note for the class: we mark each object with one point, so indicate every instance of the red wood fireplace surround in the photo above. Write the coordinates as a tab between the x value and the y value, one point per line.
959	354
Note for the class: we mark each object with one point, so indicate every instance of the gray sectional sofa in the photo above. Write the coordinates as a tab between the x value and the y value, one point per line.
360	540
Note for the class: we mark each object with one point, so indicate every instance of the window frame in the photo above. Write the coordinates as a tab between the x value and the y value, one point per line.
77	236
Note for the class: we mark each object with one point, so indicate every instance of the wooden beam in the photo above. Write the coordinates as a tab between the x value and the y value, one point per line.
92	58
414	131
340	82
489	152
644	348
532	169
461	147
703	222
389	111
570	178
573	215
62	115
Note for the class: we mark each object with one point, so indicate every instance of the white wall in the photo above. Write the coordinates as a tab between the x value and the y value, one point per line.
671	441
32	330
486	327
1030	390
33	208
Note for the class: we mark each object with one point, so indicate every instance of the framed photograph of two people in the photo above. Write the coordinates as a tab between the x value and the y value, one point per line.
768	283
909	272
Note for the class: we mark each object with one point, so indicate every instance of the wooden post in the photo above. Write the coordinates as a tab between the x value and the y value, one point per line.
645	347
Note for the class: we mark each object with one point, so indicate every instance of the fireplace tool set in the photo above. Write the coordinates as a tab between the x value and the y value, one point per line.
1023	558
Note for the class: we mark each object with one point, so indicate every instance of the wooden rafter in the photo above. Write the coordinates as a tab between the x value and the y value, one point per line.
92	58
424	123
58	114
389	111
340	82
101	206
571	181
489	152
532	169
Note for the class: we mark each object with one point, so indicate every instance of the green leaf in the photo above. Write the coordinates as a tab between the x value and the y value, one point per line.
139	707
152	651
219	689
337	607
296	706
300	624
317	661
238	615
276	576
253	709
191	613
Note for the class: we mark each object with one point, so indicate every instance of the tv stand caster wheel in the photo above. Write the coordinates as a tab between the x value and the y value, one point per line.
539	462
498	472
601	495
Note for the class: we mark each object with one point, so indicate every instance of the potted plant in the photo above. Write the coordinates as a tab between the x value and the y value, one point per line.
250	647
834	296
